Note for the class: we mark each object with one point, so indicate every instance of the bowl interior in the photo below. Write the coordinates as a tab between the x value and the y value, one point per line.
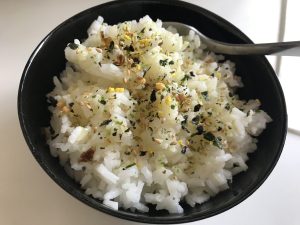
258	77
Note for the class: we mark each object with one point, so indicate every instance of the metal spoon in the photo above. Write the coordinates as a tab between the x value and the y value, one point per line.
280	48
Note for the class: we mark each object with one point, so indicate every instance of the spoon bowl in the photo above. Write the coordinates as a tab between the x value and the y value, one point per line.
280	48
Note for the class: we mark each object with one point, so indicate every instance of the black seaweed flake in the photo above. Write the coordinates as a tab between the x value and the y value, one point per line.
185	129
227	106
143	153
196	119
205	95
143	30
209	136
102	101
145	71
200	129
153	96
171	62
197	107
55	136
105	122
163	62
111	46
192	74
184	149
136	60
215	140
127	130
73	46
185	117
130	165
52	101
129	48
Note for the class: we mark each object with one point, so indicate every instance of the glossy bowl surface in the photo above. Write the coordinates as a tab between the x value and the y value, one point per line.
258	77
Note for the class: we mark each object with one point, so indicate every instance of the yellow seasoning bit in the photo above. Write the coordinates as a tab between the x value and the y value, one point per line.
127	37
168	100
159	86
218	75
138	67
180	142
111	89
145	41
119	90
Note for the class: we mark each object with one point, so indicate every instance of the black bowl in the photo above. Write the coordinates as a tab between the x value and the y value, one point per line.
258	76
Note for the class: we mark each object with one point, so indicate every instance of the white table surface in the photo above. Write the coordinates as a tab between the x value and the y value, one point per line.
28	196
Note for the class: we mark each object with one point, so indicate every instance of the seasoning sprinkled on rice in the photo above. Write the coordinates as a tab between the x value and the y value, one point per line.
142	115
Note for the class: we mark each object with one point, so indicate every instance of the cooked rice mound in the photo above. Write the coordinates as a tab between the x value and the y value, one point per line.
143	115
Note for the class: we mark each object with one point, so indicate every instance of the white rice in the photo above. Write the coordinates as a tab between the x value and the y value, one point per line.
143	115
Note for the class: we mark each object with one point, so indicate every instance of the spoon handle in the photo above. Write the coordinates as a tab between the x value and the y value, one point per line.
280	48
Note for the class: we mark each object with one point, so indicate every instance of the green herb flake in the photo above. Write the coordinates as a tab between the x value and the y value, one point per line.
209	136
185	78
215	140
119	122
172	106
